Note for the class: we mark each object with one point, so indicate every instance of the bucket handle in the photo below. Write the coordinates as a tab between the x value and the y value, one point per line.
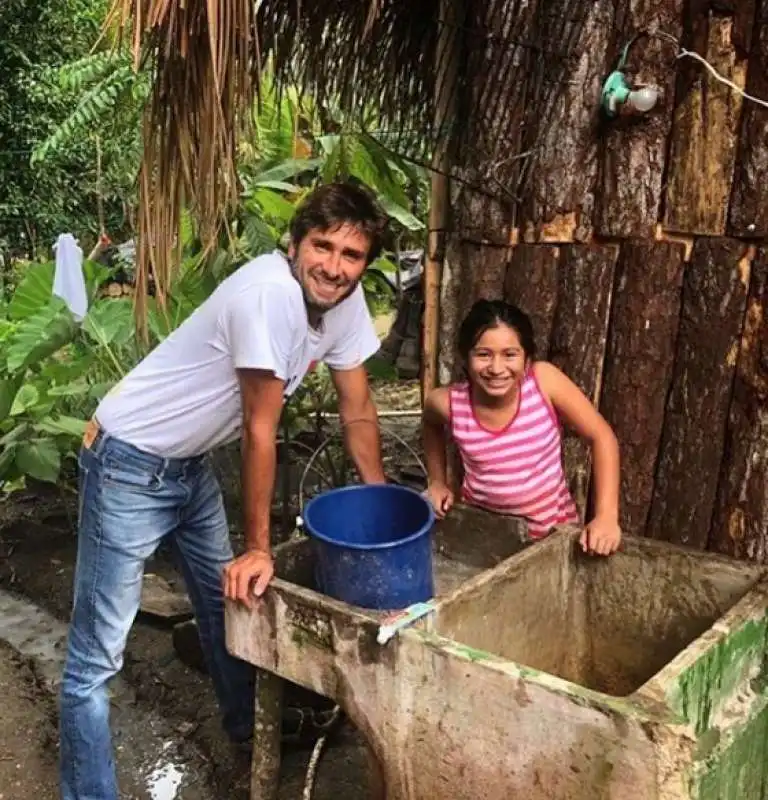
329	439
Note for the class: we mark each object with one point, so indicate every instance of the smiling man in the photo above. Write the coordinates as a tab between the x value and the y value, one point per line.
144	475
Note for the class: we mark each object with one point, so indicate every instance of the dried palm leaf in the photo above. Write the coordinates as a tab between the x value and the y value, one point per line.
205	60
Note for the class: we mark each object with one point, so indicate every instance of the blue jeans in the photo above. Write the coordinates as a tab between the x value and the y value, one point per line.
129	502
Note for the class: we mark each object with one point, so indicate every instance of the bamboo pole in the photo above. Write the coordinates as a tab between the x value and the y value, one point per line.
446	72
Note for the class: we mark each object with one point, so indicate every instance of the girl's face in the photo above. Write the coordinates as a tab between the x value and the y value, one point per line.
497	362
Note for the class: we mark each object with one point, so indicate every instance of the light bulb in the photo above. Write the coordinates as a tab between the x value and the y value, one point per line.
643	99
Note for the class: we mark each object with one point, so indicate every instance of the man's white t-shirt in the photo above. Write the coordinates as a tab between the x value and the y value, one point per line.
183	399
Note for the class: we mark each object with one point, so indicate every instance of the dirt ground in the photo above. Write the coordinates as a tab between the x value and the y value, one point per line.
37	556
27	733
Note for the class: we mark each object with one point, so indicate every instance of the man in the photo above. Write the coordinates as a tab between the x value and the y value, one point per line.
144	474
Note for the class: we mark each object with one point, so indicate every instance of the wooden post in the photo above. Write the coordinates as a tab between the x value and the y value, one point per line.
560	193
638	365
578	342
446	71
749	211
706	128
531	284
267	729
634	149
740	521
714	298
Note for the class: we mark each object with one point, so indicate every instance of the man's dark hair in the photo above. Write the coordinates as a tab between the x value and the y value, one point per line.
343	203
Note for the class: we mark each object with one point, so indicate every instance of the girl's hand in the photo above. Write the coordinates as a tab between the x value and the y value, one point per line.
441	498
601	537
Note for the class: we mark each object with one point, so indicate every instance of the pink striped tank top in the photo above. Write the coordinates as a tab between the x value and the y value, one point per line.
517	470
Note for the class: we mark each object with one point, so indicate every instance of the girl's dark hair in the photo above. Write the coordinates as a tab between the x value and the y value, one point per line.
486	314
342	203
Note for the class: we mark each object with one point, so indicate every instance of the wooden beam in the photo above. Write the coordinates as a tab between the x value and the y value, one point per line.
531	283
638	365
749	211
740	520
560	194
633	149
578	343
714	299
446	71
705	131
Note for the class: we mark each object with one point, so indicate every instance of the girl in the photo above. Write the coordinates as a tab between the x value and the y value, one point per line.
504	420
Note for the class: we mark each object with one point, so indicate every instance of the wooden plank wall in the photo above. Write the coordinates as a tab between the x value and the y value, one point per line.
638	251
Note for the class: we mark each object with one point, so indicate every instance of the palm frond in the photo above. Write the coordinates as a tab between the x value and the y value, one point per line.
206	64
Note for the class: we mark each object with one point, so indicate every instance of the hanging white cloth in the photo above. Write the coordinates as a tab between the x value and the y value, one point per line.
68	280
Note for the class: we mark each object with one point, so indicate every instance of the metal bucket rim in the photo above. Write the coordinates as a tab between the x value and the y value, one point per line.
423	531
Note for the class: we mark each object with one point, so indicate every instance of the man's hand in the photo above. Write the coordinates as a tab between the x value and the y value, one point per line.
248	576
601	537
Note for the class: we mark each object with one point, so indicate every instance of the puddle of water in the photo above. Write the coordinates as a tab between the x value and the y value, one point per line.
164	780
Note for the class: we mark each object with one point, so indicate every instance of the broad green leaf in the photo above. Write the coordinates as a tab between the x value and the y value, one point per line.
95	274
99	390
273	205
8	389
289	168
7	458
400	214
40	335
16	484
40	459
278	186
61	425
34	291
69	389
26	398
66	371
110	321
15	435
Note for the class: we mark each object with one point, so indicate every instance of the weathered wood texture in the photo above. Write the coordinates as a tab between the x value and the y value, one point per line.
577	345
638	366
633	149
714	299
531	283
560	193
706	128
265	761
740	521
475	267
749	210
487	148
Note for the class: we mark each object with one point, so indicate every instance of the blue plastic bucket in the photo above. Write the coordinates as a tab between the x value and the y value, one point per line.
373	545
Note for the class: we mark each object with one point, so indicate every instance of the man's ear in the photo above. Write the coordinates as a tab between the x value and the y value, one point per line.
291	250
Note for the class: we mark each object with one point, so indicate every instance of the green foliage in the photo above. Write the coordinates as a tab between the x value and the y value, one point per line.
40	200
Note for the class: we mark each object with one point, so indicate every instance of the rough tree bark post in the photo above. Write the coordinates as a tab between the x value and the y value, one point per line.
706	124
638	365
633	151
560	196
577	346
531	283
714	298
740	521
749	210
265	761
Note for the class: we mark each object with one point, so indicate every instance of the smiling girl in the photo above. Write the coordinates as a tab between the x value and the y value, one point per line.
504	419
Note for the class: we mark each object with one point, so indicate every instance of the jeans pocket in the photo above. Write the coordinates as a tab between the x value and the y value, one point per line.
128	475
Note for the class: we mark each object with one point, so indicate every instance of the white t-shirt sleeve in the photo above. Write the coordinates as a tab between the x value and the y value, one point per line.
261	327
356	340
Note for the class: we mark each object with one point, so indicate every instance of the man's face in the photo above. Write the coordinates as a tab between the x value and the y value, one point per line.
329	264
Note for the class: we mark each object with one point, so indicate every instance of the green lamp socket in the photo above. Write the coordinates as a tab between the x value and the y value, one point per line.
615	93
